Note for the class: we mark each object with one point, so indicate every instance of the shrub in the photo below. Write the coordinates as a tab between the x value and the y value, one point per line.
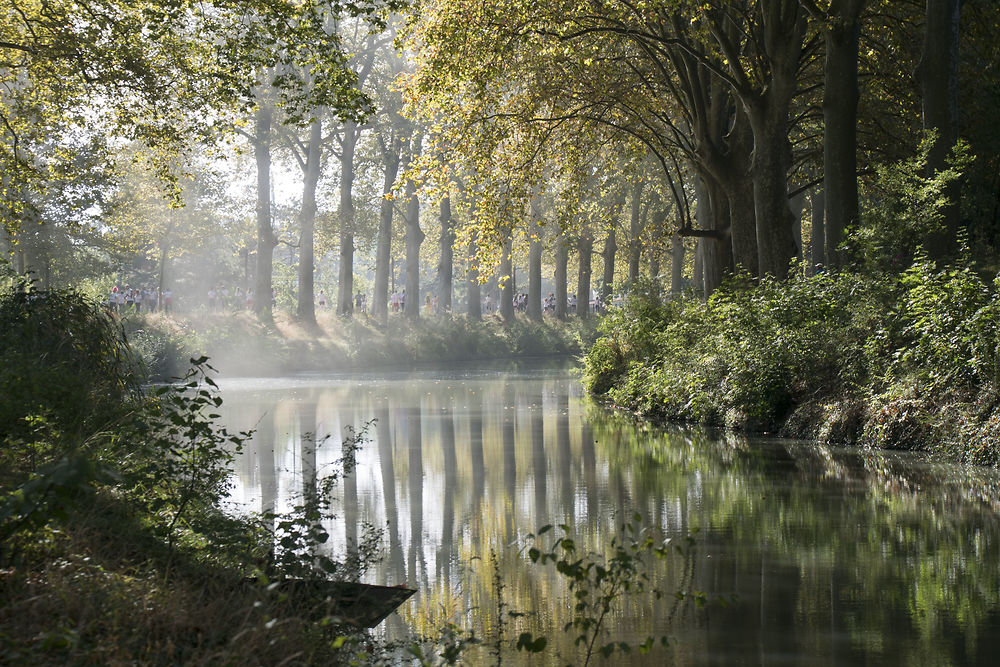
66	372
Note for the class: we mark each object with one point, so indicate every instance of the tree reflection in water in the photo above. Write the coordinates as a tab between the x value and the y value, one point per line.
837	556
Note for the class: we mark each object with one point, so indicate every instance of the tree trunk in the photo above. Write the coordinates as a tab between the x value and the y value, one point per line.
507	279
265	233
414	237
767	103
164	256
713	214
698	279
345	282
446	264
937	75
561	277
474	308
739	187
535	263
819	238
840	120
676	264
797	206
383	250
635	230
585	247
775	241
608	255
307	223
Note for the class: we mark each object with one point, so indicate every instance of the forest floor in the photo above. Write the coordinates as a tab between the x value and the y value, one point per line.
240	344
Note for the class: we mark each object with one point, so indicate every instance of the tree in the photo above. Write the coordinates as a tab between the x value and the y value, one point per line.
937	75
414	235
158	72
840	24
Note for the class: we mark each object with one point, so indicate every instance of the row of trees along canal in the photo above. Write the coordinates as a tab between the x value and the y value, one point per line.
522	136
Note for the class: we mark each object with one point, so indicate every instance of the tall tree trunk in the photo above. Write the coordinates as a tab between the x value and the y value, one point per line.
722	245
769	119
819	237
345	282
676	263
474	308
164	257
840	120
561	277
265	233
608	255
307	223
383	250
783	26
446	263
585	247
535	262
414	237
698	279
739	186
713	214
507	278
797	206
636	215
937	75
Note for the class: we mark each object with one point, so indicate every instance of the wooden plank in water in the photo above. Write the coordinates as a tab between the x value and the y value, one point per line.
361	605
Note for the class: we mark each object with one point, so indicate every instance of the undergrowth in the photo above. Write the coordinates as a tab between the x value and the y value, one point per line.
909	360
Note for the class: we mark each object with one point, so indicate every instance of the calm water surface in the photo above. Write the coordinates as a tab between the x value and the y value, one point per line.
833	556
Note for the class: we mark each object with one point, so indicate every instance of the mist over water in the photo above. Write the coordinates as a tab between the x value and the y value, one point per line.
824	555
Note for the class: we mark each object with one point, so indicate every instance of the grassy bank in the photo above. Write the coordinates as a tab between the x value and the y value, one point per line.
908	361
240	344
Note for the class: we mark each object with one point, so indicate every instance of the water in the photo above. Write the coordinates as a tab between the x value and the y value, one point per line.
821	555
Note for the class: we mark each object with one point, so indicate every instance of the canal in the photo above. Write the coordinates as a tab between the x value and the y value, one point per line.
798	553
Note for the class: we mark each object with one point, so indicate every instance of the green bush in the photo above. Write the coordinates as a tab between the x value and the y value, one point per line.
814	349
66	372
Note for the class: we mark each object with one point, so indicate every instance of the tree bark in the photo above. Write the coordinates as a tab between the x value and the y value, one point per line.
446	263
561	277
713	214
937	75
345	283
676	264
383	250
698	277
306	310
534	262
608	255
819	238
507	279
775	241
414	237
840	120
585	248
782	29
739	186
636	226
474	307
265	233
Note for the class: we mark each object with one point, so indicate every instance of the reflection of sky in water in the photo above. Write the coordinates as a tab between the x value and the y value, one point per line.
838	556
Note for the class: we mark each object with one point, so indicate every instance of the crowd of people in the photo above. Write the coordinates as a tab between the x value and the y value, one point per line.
137	299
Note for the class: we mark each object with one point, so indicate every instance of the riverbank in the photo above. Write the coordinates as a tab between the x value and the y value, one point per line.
114	548
905	361
239	344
